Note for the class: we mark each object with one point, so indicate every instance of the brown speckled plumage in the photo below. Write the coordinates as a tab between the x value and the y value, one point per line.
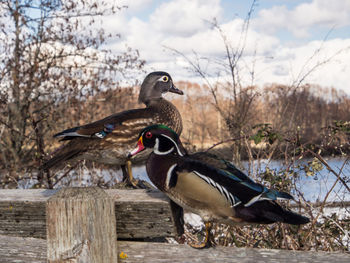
113	149
109	140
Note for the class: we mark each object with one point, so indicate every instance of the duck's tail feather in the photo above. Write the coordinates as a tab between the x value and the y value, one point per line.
268	194
62	155
293	218
273	194
266	212
70	134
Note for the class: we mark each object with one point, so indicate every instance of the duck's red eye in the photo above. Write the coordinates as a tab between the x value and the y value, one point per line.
148	135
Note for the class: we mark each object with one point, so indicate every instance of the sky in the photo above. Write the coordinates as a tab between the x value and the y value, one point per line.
287	40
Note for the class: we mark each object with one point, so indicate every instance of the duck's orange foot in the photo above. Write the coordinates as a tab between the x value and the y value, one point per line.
205	243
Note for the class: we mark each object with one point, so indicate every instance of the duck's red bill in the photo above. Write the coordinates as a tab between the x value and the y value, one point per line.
139	148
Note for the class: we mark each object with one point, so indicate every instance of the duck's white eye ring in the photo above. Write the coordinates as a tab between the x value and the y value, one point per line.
164	79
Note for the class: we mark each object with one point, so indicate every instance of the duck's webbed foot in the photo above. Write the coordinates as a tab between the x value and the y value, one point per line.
130	181
205	243
128	178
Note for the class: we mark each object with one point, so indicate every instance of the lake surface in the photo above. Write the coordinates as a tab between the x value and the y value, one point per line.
314	188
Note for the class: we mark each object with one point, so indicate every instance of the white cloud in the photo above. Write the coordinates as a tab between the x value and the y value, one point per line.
134	5
291	64
183	17
303	17
118	23
288	65
210	43
171	22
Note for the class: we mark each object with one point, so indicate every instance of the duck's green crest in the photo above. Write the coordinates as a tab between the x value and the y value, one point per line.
159	126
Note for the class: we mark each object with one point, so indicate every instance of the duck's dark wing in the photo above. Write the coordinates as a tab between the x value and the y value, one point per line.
219	163
236	187
127	120
120	129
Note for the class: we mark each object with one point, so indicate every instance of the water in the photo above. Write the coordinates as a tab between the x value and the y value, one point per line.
316	187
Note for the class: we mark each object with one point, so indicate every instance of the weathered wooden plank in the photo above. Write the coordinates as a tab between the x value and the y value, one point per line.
138	252
142	214
81	226
28	250
26	219
22	250
139	213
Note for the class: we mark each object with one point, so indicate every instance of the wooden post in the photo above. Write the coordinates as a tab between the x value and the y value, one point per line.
81	226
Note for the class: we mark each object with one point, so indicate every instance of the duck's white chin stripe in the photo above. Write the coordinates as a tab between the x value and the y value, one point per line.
156	149
177	147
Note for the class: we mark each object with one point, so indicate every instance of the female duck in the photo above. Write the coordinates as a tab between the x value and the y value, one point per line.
109	140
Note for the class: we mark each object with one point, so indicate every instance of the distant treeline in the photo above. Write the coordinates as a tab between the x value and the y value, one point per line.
277	117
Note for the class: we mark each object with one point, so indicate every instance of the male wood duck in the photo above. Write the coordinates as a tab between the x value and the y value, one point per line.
212	188
110	140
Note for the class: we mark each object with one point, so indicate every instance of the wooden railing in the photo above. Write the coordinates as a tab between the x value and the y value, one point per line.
93	225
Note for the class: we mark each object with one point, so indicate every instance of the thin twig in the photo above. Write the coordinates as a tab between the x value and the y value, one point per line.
323	161
224	141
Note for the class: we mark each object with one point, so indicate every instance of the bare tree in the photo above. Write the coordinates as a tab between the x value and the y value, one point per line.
231	99
51	52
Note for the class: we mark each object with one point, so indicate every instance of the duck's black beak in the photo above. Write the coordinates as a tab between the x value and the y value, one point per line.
173	89
139	148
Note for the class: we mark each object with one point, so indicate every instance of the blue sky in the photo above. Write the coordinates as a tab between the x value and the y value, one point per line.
285	40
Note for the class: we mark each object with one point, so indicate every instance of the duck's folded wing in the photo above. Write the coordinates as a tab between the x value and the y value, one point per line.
126	120
189	189
231	186
219	163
